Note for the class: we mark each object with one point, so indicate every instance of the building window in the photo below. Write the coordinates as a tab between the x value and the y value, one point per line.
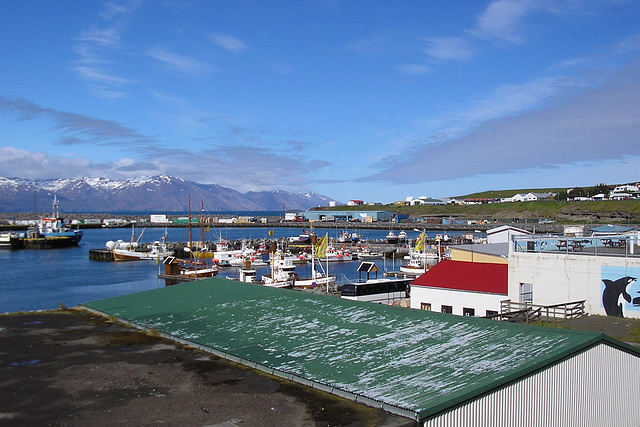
526	292
491	313
466	311
425	306
446	309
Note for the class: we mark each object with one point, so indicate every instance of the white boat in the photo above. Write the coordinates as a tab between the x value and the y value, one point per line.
420	259
391	237
344	237
9	240
282	275
402	237
415	266
367	254
53	231
319	278
133	251
334	255
305	237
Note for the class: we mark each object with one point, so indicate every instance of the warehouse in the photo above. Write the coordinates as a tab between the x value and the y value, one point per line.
357	216
437	369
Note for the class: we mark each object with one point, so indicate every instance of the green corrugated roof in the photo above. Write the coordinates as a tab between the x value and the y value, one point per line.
420	361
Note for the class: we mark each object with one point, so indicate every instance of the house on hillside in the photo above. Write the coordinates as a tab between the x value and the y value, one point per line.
533	197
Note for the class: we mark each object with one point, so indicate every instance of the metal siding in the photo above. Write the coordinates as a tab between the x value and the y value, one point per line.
596	387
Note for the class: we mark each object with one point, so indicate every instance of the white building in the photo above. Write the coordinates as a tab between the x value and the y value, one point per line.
531	197
504	234
158	219
462	288
600	270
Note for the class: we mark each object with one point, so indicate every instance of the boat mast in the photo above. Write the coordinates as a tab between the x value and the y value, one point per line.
313	253
190	236
204	259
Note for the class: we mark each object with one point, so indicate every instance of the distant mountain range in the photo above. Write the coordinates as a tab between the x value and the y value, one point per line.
156	194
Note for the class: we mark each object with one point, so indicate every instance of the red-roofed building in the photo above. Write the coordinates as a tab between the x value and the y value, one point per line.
463	288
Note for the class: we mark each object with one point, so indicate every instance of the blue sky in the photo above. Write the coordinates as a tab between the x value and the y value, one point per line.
365	100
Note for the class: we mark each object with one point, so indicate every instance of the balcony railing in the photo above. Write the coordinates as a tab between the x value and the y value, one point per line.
613	245
528	312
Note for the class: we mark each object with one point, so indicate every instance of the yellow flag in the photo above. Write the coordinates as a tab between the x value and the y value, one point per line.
420	243
321	247
270	233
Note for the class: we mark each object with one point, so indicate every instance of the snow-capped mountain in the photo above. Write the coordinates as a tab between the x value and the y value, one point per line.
144	194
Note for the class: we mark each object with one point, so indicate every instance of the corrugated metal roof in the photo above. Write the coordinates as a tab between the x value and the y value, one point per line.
466	276
418	361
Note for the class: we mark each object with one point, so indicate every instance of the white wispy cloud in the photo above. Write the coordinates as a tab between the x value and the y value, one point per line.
95	47
228	42
502	19
415	69
182	63
544	124
448	48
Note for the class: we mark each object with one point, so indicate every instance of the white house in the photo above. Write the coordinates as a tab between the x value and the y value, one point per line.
532	197
462	288
504	233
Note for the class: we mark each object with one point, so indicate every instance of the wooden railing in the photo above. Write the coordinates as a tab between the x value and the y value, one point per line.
527	312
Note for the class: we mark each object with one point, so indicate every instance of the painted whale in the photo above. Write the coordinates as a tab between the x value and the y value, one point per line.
612	292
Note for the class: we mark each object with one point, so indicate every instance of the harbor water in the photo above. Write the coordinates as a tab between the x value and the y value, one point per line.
48	279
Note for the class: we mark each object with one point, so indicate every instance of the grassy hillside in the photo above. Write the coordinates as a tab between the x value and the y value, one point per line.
499	194
605	212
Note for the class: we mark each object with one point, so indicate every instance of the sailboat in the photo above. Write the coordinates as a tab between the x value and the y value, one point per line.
132	251
419	258
181	270
318	278
283	274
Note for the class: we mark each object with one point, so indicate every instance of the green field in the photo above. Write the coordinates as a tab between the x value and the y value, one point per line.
603	212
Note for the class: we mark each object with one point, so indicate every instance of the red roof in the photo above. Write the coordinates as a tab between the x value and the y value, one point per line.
466	276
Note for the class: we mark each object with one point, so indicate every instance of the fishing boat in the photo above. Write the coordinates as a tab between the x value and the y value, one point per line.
178	270
320	279
420	259
51	233
282	274
367	254
133	251
303	238
334	255
391	238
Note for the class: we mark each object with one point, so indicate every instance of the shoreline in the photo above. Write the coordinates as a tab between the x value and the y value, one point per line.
276	221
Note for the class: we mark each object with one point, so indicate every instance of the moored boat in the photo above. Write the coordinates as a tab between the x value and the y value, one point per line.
391	238
334	255
51	233
9	240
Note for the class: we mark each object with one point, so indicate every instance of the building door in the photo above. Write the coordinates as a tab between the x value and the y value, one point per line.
526	293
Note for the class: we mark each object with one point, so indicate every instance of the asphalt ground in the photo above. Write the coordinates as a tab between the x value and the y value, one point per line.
73	368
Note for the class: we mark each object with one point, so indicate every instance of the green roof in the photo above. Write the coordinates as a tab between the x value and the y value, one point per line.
415	361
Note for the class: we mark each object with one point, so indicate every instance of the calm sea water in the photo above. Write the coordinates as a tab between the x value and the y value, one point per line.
45	279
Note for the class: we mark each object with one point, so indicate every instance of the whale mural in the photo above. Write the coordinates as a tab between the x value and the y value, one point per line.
620	290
